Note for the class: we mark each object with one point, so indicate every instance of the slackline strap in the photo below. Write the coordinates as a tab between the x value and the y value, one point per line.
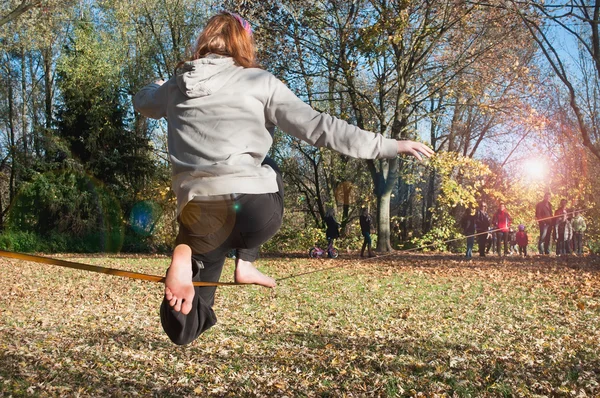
102	270
156	278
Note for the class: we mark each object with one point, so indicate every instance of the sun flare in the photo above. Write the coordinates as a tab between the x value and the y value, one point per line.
535	169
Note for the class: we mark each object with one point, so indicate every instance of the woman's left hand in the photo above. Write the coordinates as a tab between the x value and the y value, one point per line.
417	149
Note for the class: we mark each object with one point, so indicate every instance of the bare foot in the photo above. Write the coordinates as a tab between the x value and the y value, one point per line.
245	272
179	289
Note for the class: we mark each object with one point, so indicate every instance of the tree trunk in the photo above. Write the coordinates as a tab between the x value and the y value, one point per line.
383	223
47	54
384	181
35	122
347	197
428	203
24	121
11	128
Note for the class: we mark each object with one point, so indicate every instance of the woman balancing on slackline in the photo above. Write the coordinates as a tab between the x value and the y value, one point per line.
221	109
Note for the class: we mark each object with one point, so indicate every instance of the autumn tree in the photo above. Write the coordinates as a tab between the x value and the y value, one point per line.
28	47
578	68
92	118
13	10
382	64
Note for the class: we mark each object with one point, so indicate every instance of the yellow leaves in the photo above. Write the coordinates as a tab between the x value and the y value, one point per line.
456	362
403	324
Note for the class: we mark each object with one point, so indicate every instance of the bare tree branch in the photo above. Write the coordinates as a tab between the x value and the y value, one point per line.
17	12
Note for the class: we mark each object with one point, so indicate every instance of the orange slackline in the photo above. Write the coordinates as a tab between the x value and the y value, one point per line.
102	270
156	278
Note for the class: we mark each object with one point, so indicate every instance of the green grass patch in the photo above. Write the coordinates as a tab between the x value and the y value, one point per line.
393	327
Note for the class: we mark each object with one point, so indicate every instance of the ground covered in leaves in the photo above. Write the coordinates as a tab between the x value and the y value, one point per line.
397	325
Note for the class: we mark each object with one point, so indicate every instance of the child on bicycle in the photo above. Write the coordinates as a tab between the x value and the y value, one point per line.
333	228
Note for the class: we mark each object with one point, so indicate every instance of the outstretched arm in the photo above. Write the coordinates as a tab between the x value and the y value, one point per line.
284	109
151	101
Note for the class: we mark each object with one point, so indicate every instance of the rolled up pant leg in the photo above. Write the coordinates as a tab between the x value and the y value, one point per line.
212	229
183	329
205	226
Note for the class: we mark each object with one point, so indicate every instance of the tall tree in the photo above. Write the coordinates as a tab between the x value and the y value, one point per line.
578	21
92	119
28	46
12	12
386	61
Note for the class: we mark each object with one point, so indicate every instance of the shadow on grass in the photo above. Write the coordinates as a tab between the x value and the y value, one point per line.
88	363
309	364
544	265
426	365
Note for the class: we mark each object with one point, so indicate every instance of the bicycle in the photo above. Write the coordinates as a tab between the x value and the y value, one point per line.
317	252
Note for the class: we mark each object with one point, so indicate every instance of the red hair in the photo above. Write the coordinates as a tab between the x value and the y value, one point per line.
225	35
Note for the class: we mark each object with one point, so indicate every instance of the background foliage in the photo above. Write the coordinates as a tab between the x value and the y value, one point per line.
488	86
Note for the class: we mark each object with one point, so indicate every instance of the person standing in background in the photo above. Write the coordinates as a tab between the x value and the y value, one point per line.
467	223
502	221
366	224
560	223
522	240
543	215
482	224
332	231
569	232
579	228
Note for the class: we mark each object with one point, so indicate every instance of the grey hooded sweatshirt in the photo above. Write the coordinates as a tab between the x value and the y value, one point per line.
221	118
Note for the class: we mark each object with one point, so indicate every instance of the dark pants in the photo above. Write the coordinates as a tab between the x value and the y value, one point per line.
561	247
366	243
578	242
482	242
544	239
502	237
470	242
212	228
523	250
491	243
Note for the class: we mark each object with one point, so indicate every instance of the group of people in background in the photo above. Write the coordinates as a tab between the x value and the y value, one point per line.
496	232
332	231
566	225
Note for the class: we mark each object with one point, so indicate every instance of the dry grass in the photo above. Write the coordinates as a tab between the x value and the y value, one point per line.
429	325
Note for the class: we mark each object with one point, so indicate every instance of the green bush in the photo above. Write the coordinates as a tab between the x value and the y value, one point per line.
134	243
29	242
291	239
58	243
21	242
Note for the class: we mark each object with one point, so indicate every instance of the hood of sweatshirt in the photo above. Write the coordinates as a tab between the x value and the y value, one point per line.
205	76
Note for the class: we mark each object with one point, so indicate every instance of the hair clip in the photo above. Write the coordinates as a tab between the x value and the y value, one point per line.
241	20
